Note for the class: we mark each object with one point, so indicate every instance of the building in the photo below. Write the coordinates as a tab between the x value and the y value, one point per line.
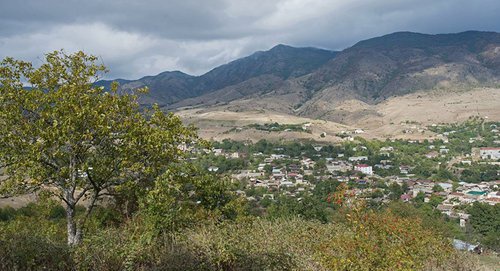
432	154
218	152
358	158
489	153
318	148
406	197
366	169
340	166
213	169
404	169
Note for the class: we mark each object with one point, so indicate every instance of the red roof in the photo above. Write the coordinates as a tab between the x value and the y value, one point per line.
405	197
456	194
490	149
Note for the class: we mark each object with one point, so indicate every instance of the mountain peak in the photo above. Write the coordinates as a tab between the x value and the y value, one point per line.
371	71
281	46
419	40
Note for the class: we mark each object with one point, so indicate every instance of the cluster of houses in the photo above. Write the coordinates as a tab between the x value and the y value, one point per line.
273	174
463	194
291	175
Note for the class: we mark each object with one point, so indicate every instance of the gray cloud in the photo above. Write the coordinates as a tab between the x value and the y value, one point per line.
137	38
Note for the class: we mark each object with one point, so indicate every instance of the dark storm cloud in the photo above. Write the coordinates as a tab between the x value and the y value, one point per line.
136	38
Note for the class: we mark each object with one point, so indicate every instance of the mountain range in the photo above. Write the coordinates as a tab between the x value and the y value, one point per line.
311	82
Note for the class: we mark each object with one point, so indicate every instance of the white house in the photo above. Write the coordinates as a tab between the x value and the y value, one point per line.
387	149
213	169
366	169
489	153
357	158
444	151
341	166
218	152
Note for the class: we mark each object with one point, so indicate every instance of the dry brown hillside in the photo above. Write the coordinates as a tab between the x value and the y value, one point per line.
402	117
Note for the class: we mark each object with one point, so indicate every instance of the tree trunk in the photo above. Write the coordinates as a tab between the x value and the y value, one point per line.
74	233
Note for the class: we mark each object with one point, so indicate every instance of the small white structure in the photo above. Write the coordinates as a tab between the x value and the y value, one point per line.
213	169
218	152
318	148
366	169
489	153
358	158
444	151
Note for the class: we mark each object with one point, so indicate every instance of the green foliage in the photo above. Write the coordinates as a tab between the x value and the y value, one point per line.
77	139
480	173
276	127
7	213
324	189
165	214
485	220
182	196
33	238
435	200
358	239
419	198
429	217
396	191
29	251
224	164
381	240
307	207
437	188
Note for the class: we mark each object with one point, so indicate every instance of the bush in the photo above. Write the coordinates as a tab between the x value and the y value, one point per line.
25	252
282	244
383	241
365	240
130	248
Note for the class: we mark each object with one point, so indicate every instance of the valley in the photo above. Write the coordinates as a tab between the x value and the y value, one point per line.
405	117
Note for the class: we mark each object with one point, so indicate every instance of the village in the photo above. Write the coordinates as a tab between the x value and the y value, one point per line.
399	170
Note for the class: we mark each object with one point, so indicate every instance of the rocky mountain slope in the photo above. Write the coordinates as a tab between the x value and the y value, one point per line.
278	64
313	82
402	63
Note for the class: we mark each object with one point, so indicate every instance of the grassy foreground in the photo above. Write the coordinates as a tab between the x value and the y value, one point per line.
357	240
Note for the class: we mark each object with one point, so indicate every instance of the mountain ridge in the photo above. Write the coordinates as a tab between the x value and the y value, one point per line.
281	61
315	80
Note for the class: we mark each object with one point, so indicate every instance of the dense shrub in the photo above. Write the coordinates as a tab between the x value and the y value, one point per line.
363	241
20	251
34	242
283	244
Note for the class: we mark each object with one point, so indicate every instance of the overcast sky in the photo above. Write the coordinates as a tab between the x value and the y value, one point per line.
138	38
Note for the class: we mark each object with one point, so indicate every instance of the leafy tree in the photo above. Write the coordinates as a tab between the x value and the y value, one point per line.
443	175
434	200
324	189
437	188
419	198
485	220
75	140
377	193
396	191
268	169
405	187
183	193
